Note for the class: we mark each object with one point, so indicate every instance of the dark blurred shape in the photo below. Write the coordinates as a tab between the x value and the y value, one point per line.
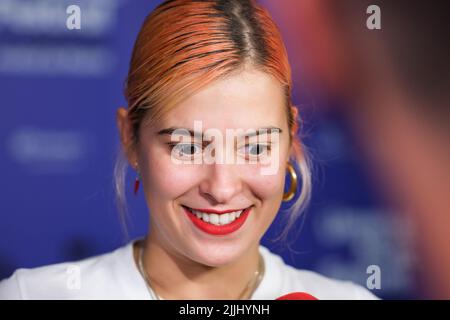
395	84
412	47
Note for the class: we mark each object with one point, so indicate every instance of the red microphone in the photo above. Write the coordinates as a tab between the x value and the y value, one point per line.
297	296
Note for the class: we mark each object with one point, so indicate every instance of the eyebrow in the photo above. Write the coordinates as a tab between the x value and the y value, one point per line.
192	133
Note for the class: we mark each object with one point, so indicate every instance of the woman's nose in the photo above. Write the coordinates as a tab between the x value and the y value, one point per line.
222	182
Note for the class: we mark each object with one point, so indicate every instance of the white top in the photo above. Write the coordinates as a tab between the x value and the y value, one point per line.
114	275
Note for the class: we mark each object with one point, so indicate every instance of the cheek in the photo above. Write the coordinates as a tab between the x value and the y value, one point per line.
265	187
165	179
269	184
171	181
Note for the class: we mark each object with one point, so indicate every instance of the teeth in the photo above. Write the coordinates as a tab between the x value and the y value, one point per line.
216	219
224	218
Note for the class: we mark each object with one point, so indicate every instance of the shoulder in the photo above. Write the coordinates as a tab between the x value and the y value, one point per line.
326	288
84	279
323	288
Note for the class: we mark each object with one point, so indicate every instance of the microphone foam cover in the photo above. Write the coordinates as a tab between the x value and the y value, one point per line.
297	296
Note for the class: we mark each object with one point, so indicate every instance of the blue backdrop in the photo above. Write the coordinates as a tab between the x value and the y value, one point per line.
59	92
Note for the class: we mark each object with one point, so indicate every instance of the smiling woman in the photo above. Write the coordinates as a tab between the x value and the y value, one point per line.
223	65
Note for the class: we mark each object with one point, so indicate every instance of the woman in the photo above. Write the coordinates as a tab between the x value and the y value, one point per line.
200	70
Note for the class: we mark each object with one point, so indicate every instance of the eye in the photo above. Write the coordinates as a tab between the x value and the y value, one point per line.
257	149
185	149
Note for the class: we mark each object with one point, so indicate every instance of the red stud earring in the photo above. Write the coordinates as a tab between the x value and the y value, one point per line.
136	181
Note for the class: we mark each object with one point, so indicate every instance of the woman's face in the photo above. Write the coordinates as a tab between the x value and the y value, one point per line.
249	100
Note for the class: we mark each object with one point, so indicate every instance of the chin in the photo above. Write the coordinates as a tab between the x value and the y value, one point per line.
219	255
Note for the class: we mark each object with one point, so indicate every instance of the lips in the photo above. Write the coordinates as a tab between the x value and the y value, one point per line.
216	217
217	222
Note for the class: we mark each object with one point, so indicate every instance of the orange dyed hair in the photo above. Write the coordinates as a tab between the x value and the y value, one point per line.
185	45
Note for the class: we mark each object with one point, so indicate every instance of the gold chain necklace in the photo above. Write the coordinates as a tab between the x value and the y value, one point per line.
252	284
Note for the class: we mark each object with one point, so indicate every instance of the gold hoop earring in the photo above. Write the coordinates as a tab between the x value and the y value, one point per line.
293	188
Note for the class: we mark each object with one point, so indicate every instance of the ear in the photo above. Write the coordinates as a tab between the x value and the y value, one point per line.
126	135
296	125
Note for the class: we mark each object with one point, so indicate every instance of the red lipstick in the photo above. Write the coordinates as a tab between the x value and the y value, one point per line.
218	230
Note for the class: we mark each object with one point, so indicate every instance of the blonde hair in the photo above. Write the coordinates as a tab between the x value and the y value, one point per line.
185	45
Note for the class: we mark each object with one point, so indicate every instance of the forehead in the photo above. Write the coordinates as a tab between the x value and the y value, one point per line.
247	99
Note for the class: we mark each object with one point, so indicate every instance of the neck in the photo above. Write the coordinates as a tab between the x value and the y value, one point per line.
174	276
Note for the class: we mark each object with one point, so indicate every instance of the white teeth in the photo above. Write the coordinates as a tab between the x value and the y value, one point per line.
216	219
224	218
